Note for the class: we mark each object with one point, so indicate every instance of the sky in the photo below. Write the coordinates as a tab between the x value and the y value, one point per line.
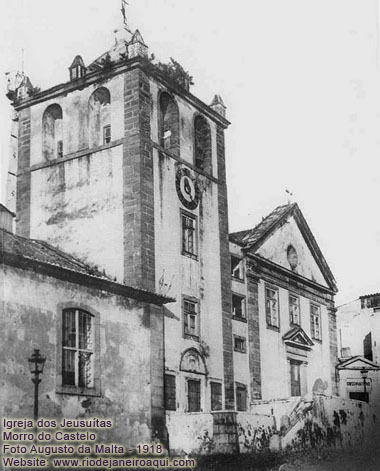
300	79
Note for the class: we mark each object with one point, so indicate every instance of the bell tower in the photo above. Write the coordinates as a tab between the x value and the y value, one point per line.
124	168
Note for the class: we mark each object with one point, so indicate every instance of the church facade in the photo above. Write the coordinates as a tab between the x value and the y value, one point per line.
123	169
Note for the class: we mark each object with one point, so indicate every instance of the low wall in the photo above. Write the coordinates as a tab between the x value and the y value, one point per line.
286	425
255	431
190	433
329	421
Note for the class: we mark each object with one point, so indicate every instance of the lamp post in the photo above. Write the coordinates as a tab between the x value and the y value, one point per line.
364	374
36	366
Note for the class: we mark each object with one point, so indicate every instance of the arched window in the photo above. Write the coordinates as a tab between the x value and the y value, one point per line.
77	348
52	132
100	117
202	144
169	124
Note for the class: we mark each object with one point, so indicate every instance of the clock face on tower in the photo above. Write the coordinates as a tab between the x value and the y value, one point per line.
187	188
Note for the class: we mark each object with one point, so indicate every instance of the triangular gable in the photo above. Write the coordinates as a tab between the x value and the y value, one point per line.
358	363
297	337
286	227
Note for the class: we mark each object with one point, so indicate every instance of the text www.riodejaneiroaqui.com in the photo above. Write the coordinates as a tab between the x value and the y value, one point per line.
71	444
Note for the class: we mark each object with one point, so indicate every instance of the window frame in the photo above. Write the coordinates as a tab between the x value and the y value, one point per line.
199	398
107	136
241	268
241	387
291	317
313	316
216	399
194	253
243	347
186	333
242	298
269	313
60	149
168	401
61	388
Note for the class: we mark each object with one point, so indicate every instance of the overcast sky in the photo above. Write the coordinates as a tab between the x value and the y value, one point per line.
300	79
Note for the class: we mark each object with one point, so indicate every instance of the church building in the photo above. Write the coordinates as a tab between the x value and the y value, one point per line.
147	310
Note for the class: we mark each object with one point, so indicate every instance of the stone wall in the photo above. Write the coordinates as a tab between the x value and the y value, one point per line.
129	384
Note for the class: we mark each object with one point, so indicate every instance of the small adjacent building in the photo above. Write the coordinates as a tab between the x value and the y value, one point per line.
358	324
283	314
103	342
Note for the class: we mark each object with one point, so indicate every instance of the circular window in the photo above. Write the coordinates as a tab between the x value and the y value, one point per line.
292	257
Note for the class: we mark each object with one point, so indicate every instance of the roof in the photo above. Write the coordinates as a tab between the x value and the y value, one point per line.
43	257
365	296
4	209
251	239
363	363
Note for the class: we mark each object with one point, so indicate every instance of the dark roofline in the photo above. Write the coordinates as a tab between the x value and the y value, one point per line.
365	296
4	208
306	232
118	68
91	281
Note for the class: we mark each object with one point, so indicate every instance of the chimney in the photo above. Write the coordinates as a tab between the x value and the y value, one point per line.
6	218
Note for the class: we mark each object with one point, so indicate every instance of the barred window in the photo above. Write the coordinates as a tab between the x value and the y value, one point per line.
315	321
294	309
271	307
193	395
216	396
170	392
77	348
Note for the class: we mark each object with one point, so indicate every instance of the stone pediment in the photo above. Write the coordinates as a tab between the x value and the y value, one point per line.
298	338
357	363
192	362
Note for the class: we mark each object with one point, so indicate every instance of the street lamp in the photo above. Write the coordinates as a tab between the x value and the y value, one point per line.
364	374
36	366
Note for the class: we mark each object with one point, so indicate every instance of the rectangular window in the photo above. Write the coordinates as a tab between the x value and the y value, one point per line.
216	396
294	309
315	321
237	268
240	344
238	306
241	397
271	307
60	149
77	348
190	318
189	235
107	134
194	395
170	392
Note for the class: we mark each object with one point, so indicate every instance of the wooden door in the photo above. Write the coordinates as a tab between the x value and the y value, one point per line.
295	378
